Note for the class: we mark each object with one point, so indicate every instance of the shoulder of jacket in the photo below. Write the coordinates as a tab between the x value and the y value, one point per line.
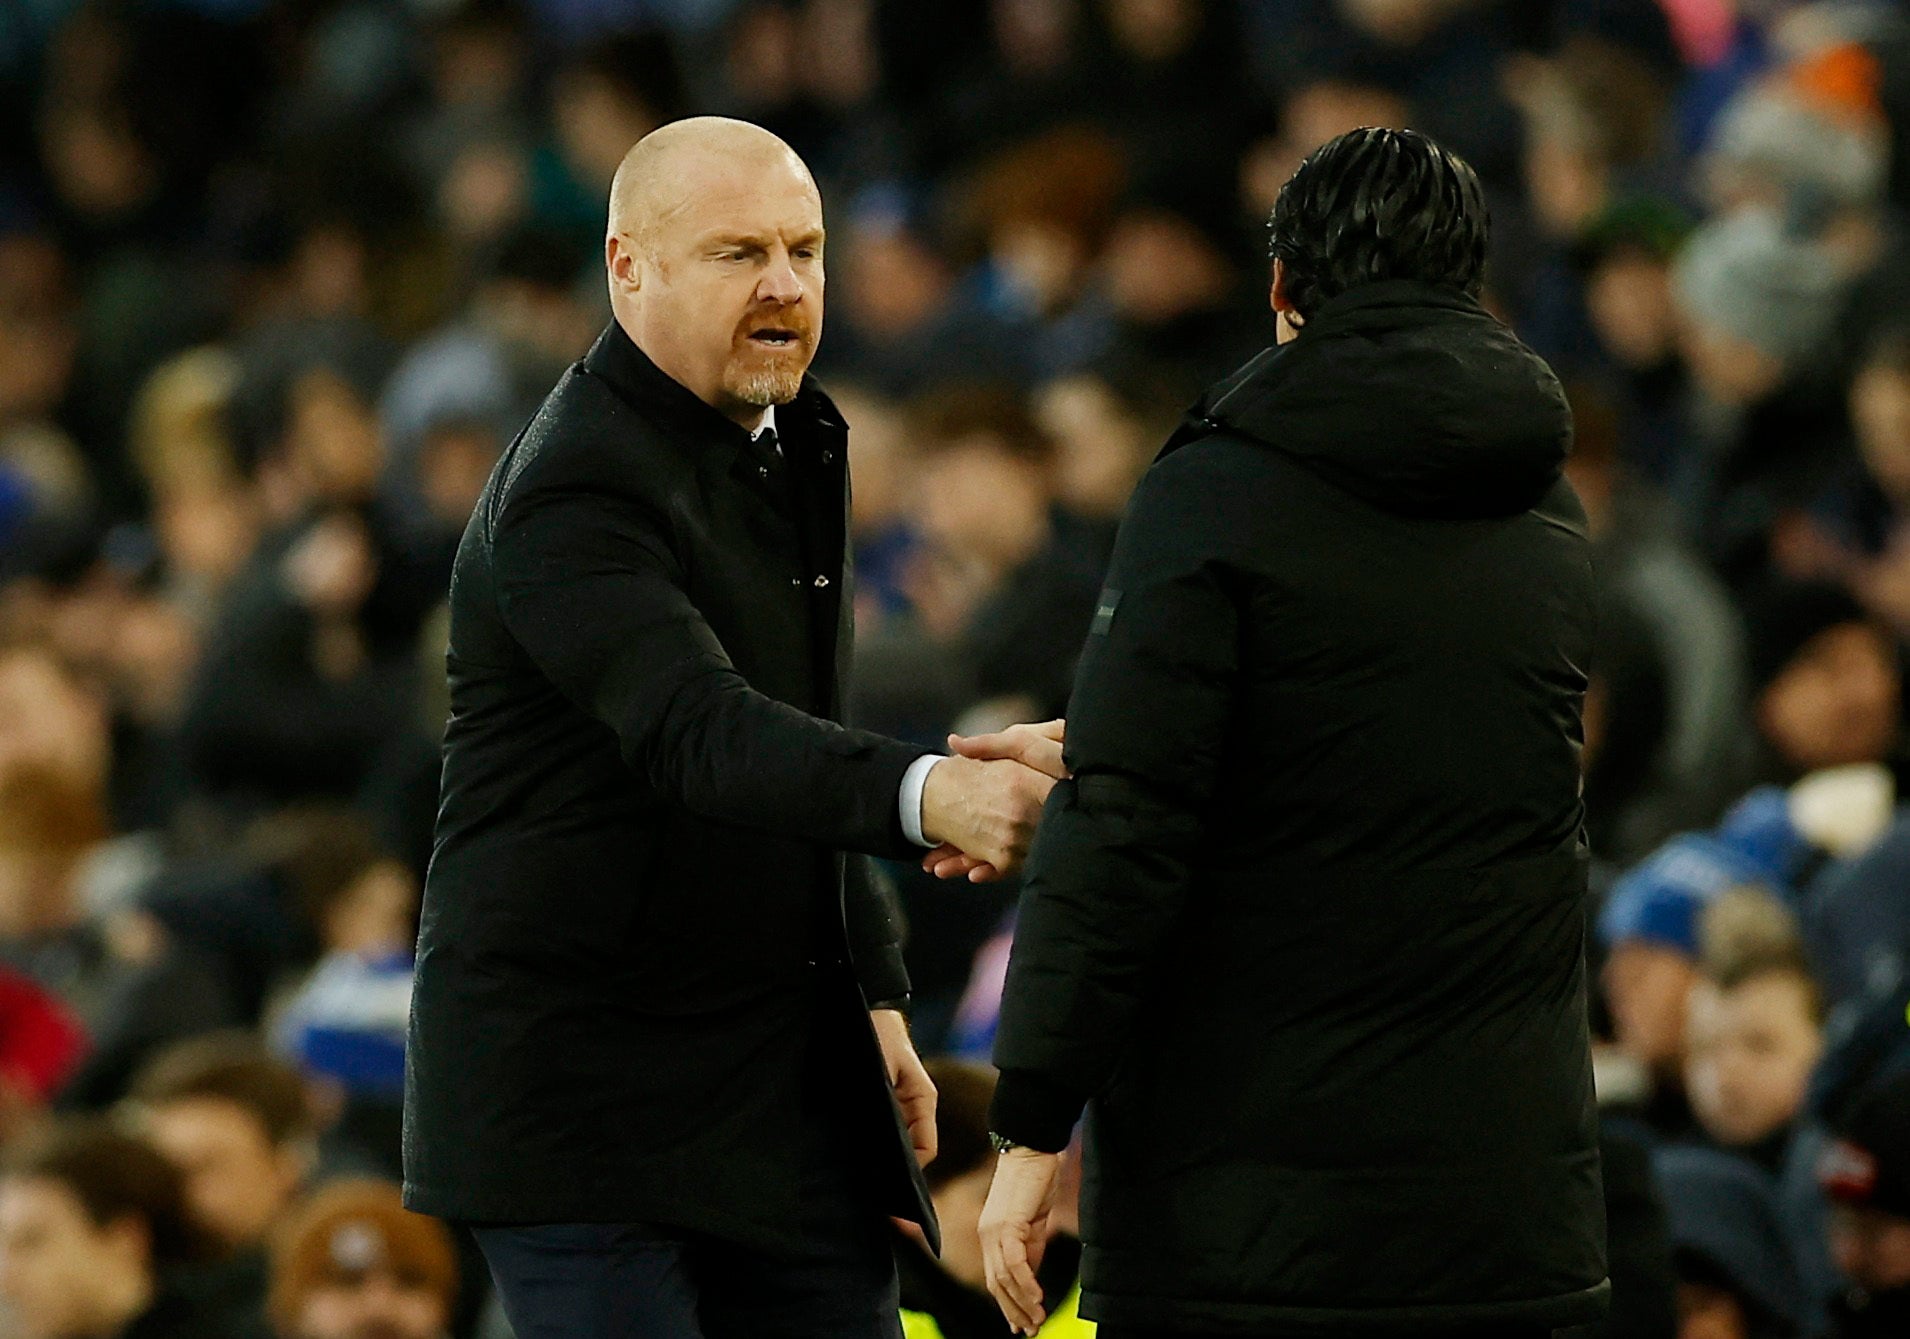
1207	440
1210	456
586	436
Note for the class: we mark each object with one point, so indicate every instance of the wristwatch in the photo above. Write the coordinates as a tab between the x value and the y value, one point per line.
1001	1143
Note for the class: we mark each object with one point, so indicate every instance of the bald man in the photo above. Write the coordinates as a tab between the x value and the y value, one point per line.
656	1058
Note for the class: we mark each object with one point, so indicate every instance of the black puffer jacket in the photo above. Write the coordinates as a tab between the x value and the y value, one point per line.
1305	931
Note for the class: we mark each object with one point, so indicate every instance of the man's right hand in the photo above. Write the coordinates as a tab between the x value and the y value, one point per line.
985	810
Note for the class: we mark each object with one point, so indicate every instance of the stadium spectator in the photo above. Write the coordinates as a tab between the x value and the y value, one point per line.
1758	303
1866	1173
1736	1279
236	1123
1106	425
344	1024
353	1263
55	755
93	1234
1623	258
1826	680
1755	1031
1857	916
904	323
1178	307
1001	581
1041	211
523	323
1706	899
310	666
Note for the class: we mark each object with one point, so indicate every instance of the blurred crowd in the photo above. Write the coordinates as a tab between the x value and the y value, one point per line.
279	278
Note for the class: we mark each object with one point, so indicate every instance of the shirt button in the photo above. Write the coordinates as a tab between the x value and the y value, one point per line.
828	457
795	581
821	582
762	471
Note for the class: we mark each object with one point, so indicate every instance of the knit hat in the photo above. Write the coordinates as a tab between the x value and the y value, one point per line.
1644	223
344	1232
1745	275
1783	138
1662	899
1869	1163
1783	617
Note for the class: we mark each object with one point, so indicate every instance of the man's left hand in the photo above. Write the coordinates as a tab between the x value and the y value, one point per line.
1014	1231
914	1090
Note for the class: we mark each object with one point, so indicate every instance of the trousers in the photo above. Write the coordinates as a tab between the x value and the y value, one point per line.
639	1281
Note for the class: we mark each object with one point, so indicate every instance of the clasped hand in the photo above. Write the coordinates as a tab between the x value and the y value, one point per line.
981	806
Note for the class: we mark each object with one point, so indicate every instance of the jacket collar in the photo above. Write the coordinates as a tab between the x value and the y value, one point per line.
616	358
1354	307
673	406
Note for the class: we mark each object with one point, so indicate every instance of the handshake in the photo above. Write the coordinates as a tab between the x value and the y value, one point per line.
981	806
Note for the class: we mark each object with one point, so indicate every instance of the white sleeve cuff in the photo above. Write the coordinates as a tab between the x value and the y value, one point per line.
913	782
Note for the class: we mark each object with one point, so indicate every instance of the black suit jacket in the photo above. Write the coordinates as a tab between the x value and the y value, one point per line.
638	940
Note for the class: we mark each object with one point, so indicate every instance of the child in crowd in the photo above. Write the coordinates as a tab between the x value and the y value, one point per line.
1753	1033
353	1263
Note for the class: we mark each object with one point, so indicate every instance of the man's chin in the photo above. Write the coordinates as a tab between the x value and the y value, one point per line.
763	387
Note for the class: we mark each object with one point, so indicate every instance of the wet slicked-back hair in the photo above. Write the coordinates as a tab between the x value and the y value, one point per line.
1379	204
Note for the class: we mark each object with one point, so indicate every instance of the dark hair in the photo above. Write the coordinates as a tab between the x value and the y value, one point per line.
1379	204
230	1067
1780	962
316	854
940	417
114	1175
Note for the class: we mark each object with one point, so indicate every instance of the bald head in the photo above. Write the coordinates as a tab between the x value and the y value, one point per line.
674	163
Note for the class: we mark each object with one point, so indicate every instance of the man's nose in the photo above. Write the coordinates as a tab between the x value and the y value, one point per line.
779	282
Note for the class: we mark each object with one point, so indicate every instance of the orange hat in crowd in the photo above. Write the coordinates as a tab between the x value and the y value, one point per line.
1845	81
352	1228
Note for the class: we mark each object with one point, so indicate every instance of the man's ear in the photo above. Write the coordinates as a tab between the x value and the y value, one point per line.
620	262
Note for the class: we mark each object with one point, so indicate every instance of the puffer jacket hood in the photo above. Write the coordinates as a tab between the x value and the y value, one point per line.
1381	395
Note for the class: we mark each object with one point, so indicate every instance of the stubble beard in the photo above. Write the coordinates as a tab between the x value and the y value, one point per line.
764	386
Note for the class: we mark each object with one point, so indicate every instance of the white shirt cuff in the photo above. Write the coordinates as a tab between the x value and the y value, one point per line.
913	782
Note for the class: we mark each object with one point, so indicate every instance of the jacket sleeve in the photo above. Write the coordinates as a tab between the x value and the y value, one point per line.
589	587
873	916
1108	874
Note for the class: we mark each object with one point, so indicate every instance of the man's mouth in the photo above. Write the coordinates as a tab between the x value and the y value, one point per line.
775	337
